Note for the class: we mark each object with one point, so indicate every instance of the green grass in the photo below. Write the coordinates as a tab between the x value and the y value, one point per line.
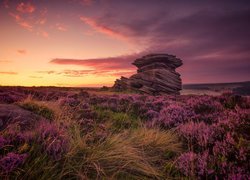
118	120
131	154
38	109
128	150
40	165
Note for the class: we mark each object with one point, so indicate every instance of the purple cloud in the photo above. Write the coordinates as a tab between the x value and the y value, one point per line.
210	37
108	64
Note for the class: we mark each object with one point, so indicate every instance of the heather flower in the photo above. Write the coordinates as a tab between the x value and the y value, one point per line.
173	115
10	97
204	105
3	142
237	173
185	163
53	140
11	161
138	107
85	106
85	112
86	124
192	164
14	134
151	115
84	94
199	133
68	101
158	103
230	101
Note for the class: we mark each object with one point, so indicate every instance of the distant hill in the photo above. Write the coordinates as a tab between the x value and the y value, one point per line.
241	88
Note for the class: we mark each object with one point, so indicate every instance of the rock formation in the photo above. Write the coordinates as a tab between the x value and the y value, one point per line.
156	75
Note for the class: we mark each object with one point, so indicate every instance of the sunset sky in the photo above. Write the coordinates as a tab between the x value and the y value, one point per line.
92	43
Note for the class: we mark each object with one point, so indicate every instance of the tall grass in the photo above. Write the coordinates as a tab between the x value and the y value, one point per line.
131	152
131	155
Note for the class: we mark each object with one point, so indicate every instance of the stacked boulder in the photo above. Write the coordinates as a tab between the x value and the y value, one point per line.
156	75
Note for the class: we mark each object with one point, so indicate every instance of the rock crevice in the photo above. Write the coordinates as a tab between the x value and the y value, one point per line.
156	75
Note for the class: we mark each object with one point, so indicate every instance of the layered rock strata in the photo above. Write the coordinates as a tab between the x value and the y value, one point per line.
156	75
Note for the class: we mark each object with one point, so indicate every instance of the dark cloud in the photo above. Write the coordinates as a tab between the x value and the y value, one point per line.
210	36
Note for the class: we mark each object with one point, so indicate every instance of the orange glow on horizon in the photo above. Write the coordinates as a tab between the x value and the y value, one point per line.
86	42
31	36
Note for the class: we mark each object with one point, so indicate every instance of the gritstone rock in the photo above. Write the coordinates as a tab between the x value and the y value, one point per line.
156	75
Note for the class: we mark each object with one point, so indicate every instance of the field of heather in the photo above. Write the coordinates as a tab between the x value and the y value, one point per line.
56	133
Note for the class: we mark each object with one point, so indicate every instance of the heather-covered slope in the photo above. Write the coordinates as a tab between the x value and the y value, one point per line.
84	136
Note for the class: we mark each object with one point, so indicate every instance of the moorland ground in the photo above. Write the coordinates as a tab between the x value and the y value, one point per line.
74	133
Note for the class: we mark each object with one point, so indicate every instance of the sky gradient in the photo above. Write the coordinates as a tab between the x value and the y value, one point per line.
92	43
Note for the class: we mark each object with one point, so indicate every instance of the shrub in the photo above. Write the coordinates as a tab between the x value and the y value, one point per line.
11	161
53	140
230	101
193	165
173	115
204	105
197	133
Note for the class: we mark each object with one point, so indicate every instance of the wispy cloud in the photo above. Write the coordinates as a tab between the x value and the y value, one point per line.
25	7
41	17
21	21
47	72
112	66
8	73
21	51
76	73
6	3
26	25
36	77
85	2
188	30
82	73
94	72
109	63
5	61
45	34
61	27
101	28
30	18
15	16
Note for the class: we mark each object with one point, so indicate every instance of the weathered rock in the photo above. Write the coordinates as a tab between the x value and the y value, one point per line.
170	60
156	75
121	84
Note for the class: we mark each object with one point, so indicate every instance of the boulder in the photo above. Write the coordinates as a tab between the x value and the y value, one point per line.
156	75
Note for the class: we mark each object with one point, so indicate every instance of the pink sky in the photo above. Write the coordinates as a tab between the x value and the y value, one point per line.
92	43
